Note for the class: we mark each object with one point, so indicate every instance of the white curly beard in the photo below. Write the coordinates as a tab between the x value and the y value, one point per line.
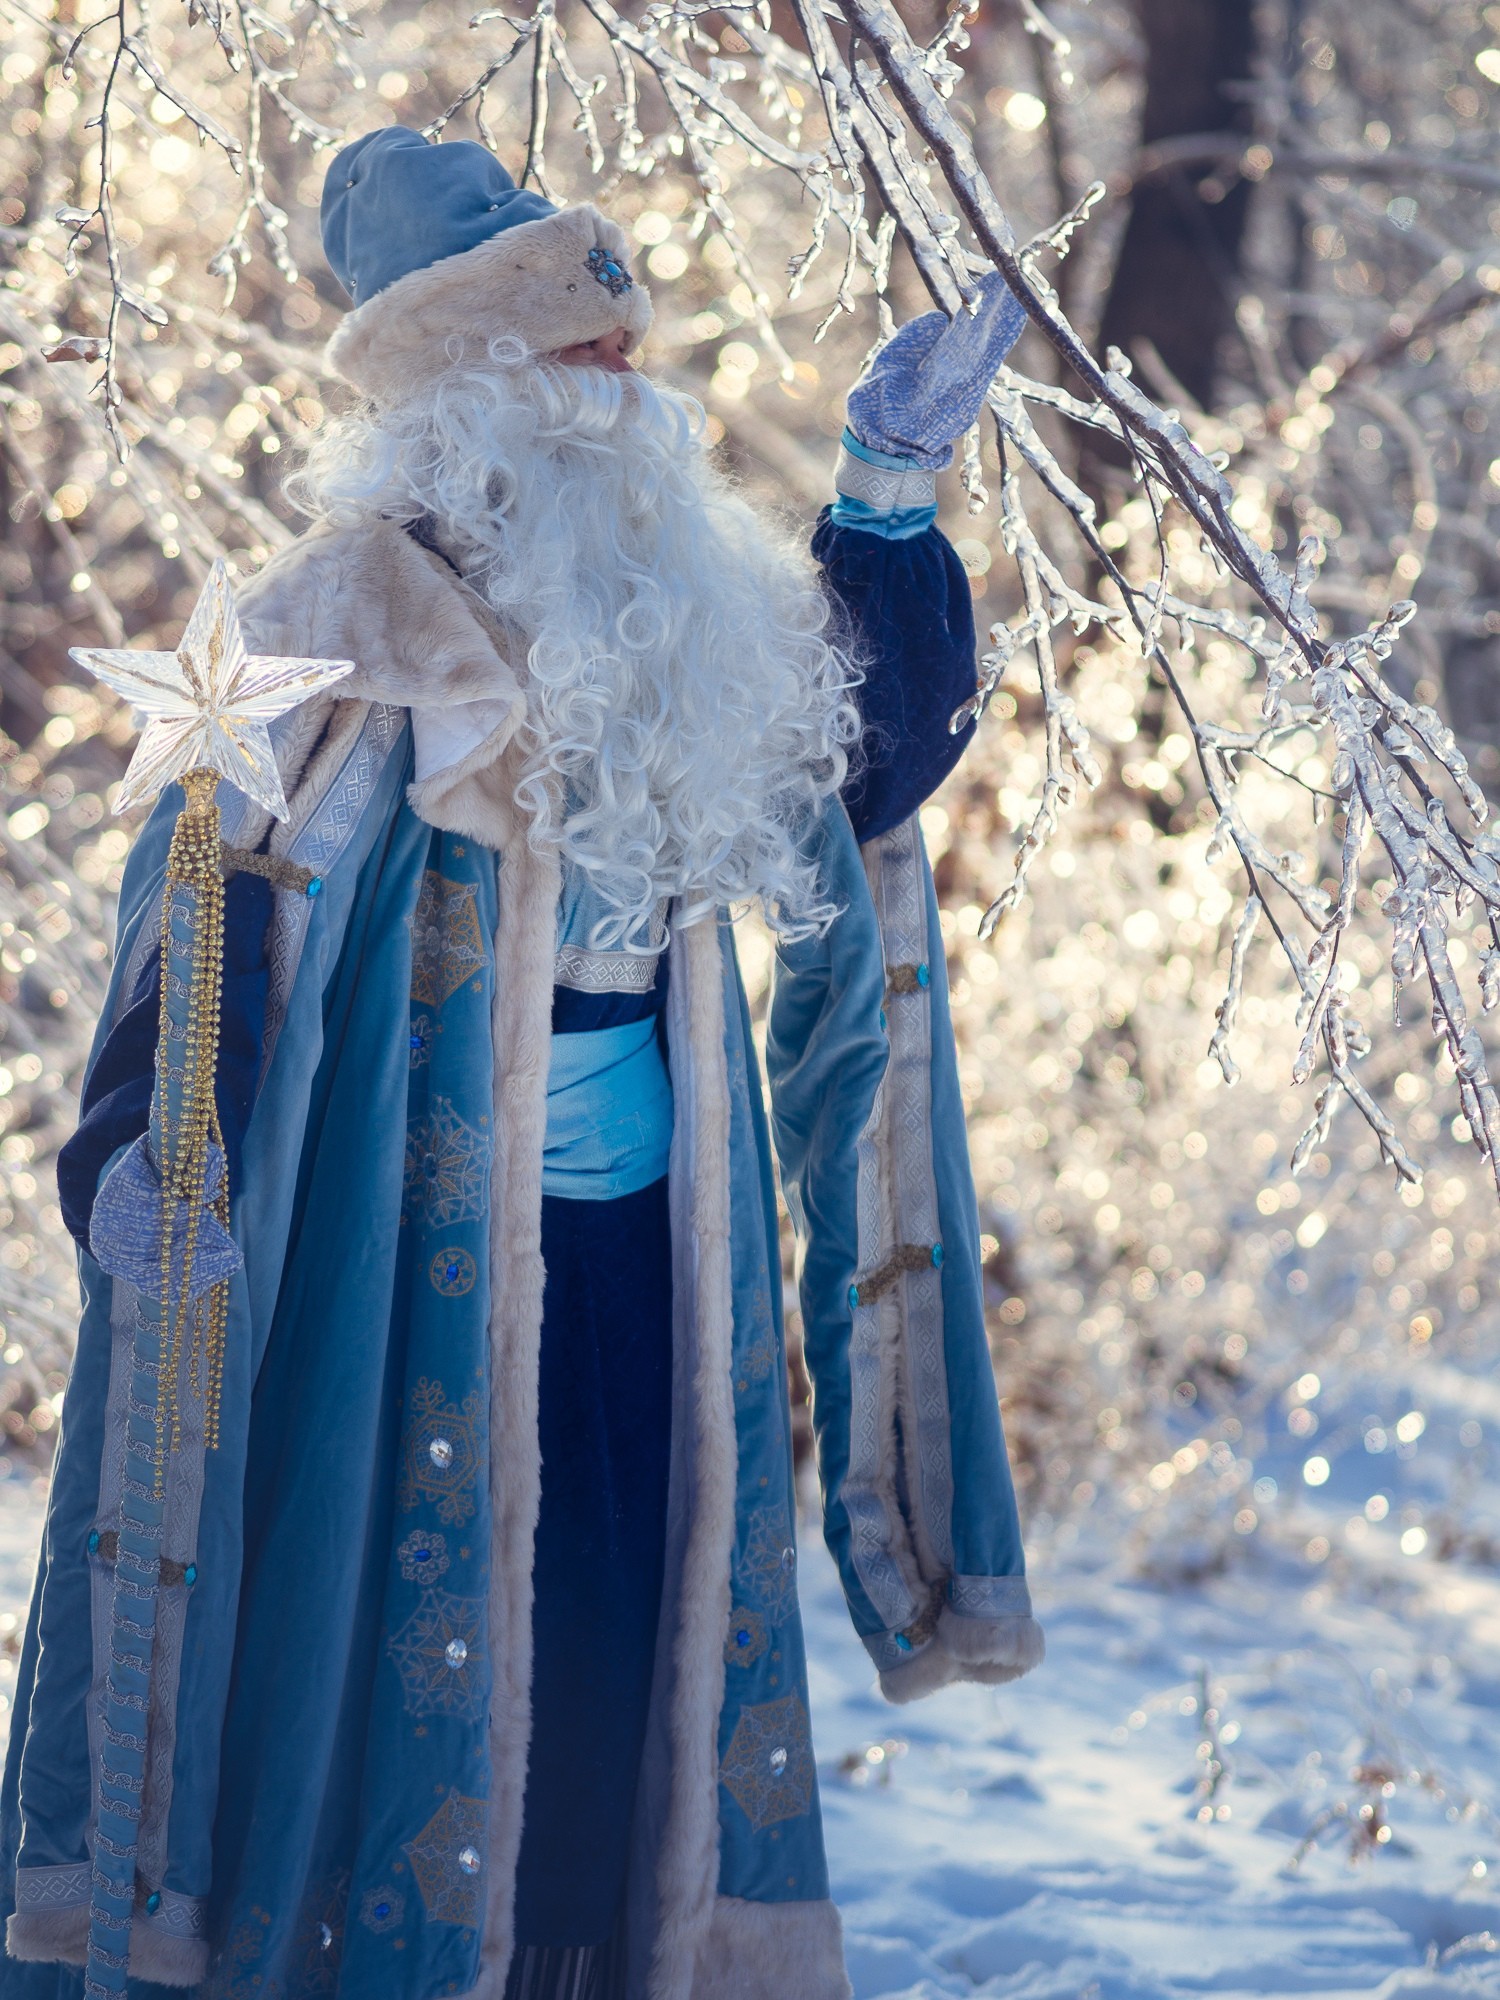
686	713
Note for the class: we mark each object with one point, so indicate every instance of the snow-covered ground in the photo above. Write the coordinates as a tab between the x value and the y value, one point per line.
1123	1824
1065	1839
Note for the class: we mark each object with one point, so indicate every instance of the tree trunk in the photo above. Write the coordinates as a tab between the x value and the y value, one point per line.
1177	278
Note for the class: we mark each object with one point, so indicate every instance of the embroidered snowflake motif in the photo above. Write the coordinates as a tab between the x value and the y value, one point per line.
447	1168
440	1452
452	1273
234	1976
319	1943
438	1658
447	1861
747	1638
769	1567
419	1041
446	945
423	1557
380	1910
768	1767
761	1356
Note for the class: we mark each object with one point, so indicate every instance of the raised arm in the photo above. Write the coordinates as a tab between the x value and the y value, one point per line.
903	591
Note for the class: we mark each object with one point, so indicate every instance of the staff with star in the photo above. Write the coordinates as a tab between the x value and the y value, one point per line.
161	1220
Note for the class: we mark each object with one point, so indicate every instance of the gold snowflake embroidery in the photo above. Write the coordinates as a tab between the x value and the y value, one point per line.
768	1570
447	1168
437	1654
747	1639
320	1935
447	947
440	1457
768	1767
452	1273
447	1861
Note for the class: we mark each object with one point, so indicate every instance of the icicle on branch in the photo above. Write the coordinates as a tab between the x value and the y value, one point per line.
1385	744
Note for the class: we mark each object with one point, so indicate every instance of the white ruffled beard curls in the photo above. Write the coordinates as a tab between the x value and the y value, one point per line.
686	711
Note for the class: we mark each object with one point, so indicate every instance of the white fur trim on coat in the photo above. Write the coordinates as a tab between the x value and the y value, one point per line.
687	1864
529	888
533	281
53	1937
421	640
989	1650
772	1951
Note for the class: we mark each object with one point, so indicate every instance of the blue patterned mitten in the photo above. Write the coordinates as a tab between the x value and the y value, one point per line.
928	383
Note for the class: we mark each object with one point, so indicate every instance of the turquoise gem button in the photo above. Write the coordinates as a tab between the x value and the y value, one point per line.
854	1295
315	885
190	1575
937	1256
94	1542
924	977
882	1020
903	1642
153	1902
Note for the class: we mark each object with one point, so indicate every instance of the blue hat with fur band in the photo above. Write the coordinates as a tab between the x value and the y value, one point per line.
441	251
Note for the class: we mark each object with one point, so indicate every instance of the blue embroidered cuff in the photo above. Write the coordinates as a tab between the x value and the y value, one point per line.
882	494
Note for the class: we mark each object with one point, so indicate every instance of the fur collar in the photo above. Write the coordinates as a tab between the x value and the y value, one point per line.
422	640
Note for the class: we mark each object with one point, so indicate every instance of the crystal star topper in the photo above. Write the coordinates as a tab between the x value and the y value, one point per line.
206	706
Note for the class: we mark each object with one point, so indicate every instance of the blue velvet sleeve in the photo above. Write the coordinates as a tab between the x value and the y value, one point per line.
912	625
115	1108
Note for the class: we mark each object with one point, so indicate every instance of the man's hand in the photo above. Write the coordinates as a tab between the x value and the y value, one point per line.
928	383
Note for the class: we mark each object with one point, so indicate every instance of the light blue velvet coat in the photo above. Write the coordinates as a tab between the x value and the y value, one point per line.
332	1802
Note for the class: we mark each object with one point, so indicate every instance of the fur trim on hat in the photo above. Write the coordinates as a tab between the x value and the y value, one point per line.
533	281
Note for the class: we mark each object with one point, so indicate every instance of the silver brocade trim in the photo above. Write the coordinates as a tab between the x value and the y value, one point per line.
882	487
67	1886
184	1480
52	1888
184	1501
879	1547
989	1596
124	1304
899	884
604	971
322	828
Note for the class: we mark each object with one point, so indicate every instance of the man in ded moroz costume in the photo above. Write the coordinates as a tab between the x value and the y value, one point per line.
477	1663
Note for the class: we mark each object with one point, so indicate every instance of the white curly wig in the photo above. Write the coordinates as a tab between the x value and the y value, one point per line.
687	708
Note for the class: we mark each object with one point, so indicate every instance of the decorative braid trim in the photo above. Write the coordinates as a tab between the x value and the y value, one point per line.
905	979
604	971
905	1257
272	868
168	1570
880	486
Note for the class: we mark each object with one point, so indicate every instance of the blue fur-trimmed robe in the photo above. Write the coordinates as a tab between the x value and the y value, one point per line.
341	1711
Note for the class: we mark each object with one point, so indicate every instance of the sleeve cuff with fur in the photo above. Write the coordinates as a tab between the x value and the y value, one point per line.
959	1647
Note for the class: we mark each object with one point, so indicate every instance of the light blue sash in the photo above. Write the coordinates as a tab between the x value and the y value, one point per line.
609	1113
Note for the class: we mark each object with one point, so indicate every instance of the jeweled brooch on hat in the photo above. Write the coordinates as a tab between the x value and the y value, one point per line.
610	271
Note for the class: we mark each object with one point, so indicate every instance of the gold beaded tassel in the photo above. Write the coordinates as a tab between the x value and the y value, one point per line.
185	1117
208	704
